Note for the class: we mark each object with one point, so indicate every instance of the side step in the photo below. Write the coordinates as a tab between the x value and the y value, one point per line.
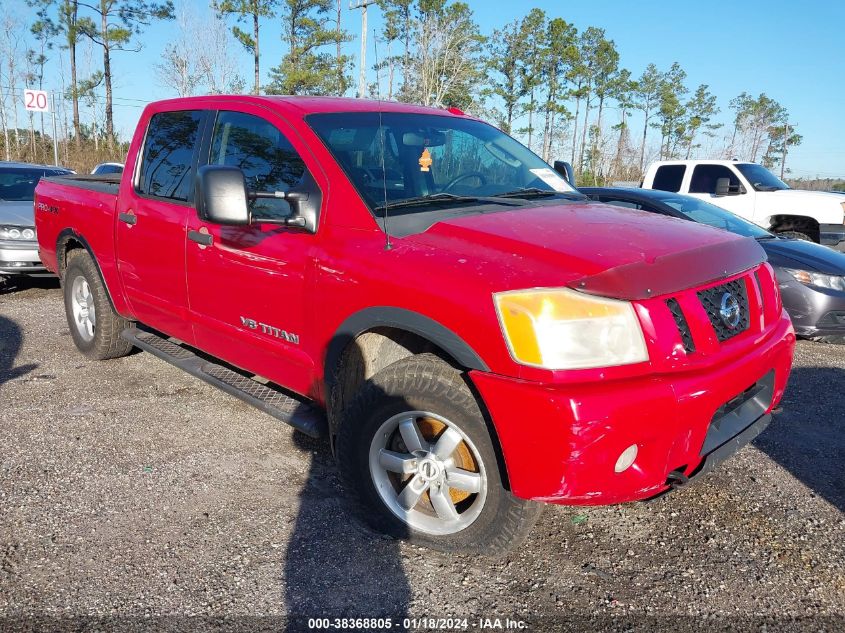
299	414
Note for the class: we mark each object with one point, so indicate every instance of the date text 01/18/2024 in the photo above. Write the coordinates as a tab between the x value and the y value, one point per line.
415	624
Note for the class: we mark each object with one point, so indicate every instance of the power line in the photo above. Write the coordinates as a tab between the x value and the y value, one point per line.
97	98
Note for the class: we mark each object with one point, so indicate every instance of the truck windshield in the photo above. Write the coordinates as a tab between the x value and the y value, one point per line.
706	213
760	177
415	162
18	185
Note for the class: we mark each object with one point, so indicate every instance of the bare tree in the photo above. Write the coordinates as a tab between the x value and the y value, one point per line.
447	65
216	61
178	69
11	47
199	59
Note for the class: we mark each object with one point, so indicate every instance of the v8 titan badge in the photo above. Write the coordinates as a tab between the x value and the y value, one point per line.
425	160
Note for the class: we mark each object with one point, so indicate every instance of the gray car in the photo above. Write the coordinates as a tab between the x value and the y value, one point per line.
18	243
811	277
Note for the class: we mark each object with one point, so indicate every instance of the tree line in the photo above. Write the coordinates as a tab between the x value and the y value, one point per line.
563	91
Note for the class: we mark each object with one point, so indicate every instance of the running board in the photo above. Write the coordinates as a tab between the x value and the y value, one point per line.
299	414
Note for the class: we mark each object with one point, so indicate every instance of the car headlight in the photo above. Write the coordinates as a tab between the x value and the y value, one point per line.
559	328
17	233
810	278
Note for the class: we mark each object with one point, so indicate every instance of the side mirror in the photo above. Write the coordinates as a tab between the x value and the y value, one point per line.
724	188
221	195
222	198
565	170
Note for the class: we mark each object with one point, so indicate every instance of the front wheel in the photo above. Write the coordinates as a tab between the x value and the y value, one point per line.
417	459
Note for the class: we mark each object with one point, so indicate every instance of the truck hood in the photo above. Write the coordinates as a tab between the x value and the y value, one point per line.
813	196
824	207
17	213
596	248
804	255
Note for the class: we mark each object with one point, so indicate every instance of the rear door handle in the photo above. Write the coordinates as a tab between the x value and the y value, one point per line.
128	218
203	239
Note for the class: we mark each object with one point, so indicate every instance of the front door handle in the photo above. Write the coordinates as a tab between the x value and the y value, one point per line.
201	238
128	218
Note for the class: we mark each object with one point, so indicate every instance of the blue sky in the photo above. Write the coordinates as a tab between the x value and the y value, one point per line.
791	51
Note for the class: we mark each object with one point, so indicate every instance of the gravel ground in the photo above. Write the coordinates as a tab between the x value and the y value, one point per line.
130	490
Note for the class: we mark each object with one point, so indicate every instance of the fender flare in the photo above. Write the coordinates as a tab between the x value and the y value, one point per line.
70	234
400	318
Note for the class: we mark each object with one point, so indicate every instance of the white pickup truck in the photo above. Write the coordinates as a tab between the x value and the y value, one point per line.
754	193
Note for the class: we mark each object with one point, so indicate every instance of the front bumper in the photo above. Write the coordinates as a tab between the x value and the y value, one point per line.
832	235
560	443
19	258
814	311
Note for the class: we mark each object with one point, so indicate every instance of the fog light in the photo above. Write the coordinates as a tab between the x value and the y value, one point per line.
626	459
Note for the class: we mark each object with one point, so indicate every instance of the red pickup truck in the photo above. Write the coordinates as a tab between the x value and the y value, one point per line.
468	331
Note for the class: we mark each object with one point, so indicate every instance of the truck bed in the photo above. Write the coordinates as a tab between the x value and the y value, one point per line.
66	204
104	183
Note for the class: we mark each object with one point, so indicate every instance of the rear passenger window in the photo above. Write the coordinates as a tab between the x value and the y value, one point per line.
669	178
704	178
261	151
167	163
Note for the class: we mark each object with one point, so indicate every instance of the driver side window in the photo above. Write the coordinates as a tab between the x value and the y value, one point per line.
704	178
261	151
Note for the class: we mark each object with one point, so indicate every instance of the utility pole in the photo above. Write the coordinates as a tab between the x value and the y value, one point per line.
55	139
785	145
362	60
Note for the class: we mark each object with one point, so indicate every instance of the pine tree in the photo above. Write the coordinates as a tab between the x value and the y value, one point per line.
646	99
307	67
533	32
605	76
250	11
671	109
507	51
701	109
559	56
117	22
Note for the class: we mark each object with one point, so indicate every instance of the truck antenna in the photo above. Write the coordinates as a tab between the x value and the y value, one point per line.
382	134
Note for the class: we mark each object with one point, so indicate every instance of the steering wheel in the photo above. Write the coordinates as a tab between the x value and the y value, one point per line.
470	174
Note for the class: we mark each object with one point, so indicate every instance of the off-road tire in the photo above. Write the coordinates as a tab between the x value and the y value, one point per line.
427	383
107	342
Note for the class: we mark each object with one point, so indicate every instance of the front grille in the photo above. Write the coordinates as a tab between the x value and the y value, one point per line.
683	326
729	324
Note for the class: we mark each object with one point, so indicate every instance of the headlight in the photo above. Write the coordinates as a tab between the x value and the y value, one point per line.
564	329
809	278
17	233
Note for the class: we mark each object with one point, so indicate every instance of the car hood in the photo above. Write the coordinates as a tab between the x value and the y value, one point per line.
596	248
17	213
804	255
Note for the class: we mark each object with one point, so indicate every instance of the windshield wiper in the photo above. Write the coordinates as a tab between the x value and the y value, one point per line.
761	187
536	192
443	196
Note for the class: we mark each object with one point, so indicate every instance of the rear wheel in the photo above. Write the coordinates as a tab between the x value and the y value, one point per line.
417	458
94	325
